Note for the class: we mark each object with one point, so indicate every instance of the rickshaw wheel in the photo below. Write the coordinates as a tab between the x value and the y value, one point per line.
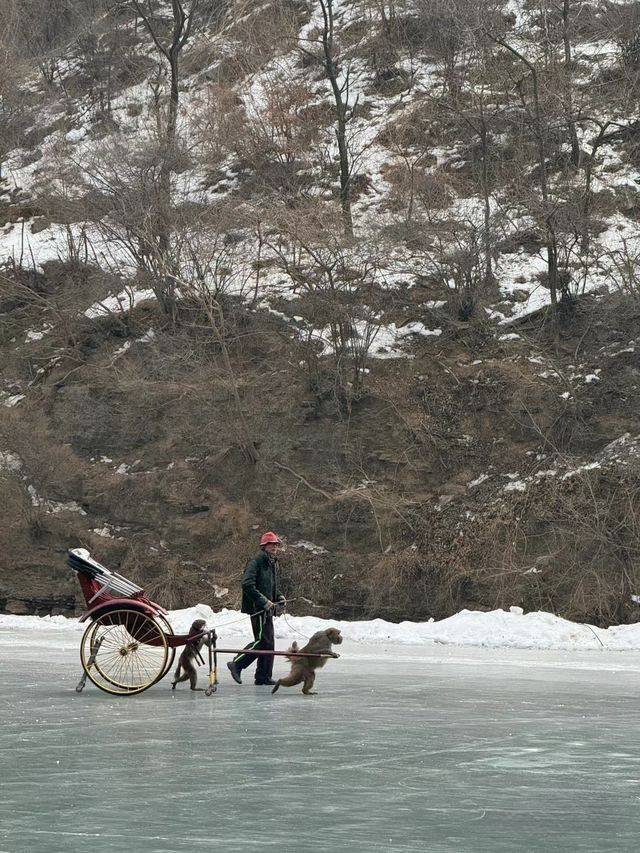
129	649
168	630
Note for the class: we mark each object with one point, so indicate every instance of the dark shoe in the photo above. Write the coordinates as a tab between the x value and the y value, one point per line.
234	669
268	681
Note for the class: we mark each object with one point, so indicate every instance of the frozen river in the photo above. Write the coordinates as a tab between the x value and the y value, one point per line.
436	749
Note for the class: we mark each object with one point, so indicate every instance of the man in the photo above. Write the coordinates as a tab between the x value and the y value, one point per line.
260	598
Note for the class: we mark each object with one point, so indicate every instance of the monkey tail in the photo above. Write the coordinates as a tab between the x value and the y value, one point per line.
293	648
176	676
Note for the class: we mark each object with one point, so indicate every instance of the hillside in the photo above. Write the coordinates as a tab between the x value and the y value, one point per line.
364	272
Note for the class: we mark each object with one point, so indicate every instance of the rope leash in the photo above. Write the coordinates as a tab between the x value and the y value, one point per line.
246	616
295	630
257	613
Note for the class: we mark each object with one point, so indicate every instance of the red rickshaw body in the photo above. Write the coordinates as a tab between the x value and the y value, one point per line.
100	601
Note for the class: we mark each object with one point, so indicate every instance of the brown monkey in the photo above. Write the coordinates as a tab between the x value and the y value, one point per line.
303	668
191	653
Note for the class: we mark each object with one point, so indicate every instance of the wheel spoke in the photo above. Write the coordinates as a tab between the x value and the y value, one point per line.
130	650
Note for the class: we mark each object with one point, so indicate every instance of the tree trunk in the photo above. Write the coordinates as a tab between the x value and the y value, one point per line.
345	178
548	211
343	115
568	82
486	199
171	53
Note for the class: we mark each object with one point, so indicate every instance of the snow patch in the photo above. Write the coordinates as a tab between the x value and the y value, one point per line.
309	546
510	628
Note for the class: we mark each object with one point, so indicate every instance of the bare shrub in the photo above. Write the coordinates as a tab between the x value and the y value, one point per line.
280	120
174	587
221	123
453	260
402	585
566	546
624	269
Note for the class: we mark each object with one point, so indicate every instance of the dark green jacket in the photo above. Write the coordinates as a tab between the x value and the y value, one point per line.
259	583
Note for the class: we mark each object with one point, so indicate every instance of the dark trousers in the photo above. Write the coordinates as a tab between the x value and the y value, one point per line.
262	624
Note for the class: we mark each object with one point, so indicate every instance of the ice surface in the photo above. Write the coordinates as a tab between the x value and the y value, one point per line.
432	748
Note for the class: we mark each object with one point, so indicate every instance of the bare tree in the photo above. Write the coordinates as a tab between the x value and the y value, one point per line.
340	281
338	74
169	45
106	60
14	113
210	266
46	28
528	87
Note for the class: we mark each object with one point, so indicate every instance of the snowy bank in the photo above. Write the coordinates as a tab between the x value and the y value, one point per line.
498	629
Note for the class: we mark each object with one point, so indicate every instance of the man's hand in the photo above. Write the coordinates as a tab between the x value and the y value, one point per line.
267	605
